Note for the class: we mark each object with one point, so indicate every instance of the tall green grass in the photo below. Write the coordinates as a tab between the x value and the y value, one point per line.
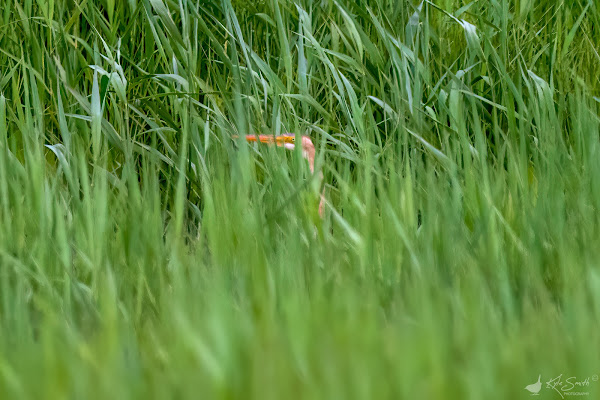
146	253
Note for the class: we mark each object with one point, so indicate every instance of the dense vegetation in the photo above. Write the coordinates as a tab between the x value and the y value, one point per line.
147	253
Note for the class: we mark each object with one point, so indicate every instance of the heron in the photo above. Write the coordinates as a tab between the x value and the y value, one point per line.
288	141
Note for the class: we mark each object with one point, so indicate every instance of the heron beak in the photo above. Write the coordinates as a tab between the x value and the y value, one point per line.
282	140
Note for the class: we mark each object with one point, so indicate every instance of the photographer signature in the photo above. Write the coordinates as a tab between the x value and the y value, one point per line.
566	386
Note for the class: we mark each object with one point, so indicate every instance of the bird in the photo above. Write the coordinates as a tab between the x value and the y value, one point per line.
288	141
535	387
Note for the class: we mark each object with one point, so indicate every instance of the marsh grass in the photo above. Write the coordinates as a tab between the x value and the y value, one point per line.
145	253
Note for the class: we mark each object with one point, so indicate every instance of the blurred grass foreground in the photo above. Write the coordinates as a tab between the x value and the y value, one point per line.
148	252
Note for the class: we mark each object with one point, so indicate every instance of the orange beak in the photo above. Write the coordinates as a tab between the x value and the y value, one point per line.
279	140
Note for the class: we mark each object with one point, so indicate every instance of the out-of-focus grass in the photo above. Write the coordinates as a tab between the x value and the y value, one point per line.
144	253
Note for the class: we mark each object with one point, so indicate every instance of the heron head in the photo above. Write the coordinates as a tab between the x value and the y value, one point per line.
288	141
